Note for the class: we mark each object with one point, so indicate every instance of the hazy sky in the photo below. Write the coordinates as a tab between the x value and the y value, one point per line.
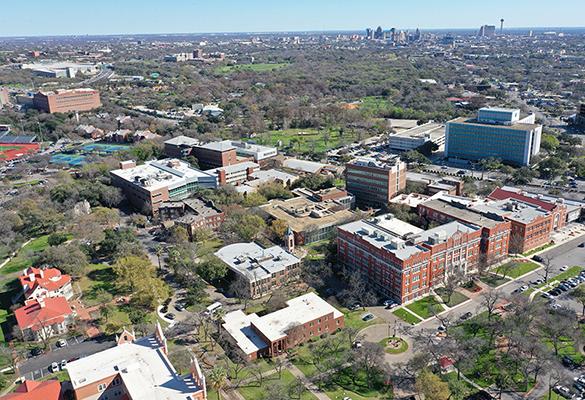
64	17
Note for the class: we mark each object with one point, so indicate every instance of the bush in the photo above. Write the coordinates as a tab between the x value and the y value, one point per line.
55	239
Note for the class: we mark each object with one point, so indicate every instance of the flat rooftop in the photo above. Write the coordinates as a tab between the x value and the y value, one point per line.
143	367
301	213
255	262
445	231
224	145
520	126
182	141
387	233
303	165
274	326
171	173
462	213
514	210
430	128
234	168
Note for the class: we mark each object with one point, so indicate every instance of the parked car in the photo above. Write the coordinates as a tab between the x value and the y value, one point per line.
170	316
538	258
54	367
569	363
63	364
582	244
563	391
164	310
356	344
355	306
61	343
387	302
564	268
466	316
180	307
36	351
368	317
523	288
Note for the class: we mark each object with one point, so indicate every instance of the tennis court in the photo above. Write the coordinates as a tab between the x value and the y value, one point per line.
68	159
103	148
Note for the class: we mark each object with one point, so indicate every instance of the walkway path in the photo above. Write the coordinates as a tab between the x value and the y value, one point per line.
308	384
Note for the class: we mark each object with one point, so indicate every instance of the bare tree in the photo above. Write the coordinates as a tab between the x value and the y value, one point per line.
369	358
490	300
547	267
240	289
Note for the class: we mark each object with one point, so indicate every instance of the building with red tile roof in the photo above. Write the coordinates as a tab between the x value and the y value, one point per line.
33	390
43	318
41	283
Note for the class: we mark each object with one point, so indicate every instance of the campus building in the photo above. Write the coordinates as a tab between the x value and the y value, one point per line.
215	154
234	174
193	214
495	229
496	132
375	182
312	216
304	318
403	262
42	318
38	283
148	185
136	369
179	146
263	269
62	101
35	390
416	137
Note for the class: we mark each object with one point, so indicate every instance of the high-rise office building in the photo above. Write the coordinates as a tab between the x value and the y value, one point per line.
495	132
487	31
375	182
379	34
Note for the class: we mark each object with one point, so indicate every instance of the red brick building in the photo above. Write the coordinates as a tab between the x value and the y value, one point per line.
558	209
63	101
215	154
304	318
33	390
403	262
495	230
374	182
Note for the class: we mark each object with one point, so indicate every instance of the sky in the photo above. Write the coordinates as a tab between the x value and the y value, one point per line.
87	17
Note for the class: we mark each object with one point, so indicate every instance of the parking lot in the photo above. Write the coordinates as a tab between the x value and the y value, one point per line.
35	368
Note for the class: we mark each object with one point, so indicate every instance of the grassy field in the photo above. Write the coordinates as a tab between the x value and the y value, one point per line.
493	280
349	384
391	350
99	278
353	319
455	299
307	140
406	316
425	307
261	67
255	392
517	269
374	104
24	258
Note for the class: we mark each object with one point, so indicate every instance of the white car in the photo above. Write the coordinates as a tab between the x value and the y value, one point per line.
564	268
54	367
523	288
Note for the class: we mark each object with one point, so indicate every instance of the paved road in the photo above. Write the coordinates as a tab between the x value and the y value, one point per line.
35	368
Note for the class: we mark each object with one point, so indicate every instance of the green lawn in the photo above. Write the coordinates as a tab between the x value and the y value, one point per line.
353	319
353	385
494	280
260	67
516	269
426	307
553	396
455	299
25	256
207	247
452	377
255	392
307	140
406	316
374	104
317	250
98	278
391	350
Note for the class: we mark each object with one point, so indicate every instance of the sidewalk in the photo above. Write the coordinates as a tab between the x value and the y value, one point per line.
309	385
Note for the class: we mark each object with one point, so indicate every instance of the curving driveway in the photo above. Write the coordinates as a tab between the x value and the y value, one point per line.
375	333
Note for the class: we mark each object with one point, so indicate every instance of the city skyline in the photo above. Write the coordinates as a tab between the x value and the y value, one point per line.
37	18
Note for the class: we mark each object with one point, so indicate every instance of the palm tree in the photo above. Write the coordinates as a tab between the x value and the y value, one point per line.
217	378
